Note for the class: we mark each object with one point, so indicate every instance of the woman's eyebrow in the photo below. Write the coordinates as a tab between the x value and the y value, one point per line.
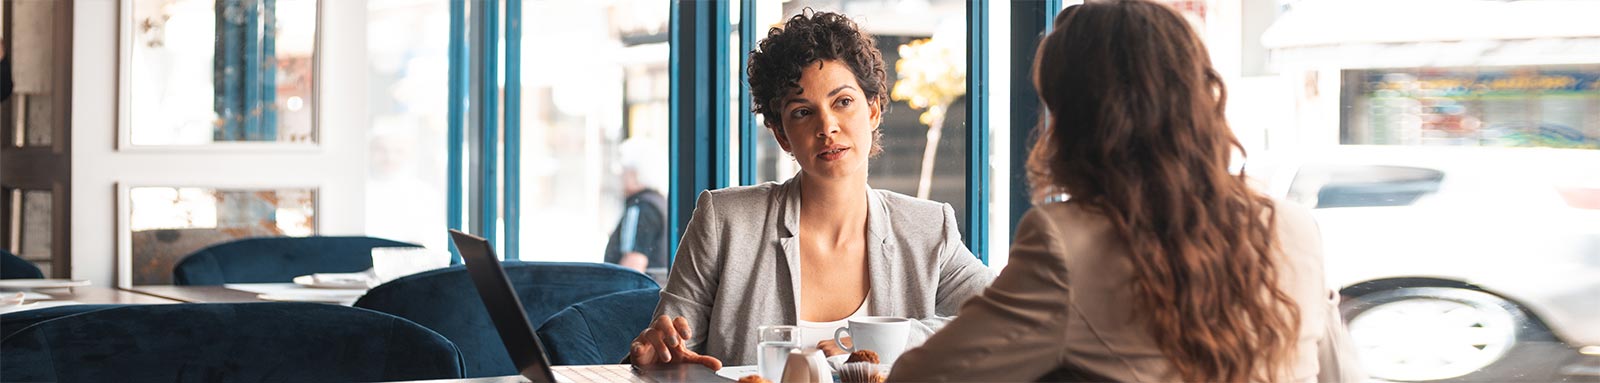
840	89
795	100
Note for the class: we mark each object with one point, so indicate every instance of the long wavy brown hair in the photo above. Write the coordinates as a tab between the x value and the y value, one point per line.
1136	132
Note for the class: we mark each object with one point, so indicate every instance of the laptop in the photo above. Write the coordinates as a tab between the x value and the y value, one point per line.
527	352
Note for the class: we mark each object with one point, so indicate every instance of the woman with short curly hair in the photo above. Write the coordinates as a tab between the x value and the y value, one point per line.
823	246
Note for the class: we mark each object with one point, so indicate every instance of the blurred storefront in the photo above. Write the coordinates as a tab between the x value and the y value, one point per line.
1437	73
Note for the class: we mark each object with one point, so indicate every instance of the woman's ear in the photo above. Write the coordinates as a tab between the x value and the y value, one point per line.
877	112
783	140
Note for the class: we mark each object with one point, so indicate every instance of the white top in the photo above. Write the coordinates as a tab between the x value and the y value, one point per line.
811	333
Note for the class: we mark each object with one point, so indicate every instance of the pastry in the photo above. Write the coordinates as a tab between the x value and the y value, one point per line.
753	378
863	356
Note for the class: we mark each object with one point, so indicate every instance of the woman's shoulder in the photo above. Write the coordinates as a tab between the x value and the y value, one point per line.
738	201
907	206
1293	218
762	190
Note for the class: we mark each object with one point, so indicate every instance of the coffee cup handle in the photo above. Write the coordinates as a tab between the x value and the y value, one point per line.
839	332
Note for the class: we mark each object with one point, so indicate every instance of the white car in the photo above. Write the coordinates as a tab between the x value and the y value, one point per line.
1465	264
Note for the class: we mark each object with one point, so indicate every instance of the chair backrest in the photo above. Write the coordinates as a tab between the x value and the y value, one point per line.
446	301
268	342
158	251
14	267
599	330
277	259
11	323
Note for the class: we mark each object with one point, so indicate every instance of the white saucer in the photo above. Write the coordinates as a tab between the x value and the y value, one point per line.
314	298
29	284
310	281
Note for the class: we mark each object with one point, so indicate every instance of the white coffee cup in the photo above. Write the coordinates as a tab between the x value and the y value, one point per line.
389	263
885	336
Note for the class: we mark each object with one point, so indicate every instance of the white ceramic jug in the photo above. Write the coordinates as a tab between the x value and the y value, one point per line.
807	366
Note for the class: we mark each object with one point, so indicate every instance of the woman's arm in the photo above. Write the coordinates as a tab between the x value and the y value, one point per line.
961	276
692	284
1010	332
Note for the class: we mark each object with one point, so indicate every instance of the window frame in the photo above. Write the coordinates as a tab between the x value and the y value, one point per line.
699	139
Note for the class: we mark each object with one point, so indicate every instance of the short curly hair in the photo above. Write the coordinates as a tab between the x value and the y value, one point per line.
807	38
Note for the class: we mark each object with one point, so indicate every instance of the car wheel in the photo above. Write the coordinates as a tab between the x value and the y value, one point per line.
1434	333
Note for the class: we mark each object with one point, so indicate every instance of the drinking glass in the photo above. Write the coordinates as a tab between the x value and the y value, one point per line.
772	349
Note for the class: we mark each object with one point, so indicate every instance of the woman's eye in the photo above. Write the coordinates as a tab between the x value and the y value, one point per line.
843	102
798	113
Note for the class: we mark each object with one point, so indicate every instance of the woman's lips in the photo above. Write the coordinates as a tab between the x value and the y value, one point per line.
833	153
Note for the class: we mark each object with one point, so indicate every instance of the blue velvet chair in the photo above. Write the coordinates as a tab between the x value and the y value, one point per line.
277	259
446	301
255	342
599	330
14	267
12	322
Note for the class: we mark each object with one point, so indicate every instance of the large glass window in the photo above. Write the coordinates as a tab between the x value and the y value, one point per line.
1451	153
210	71
1528	106
594	131
408	58
166	224
924	134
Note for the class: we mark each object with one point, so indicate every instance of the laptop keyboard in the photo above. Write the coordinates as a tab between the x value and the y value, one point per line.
612	373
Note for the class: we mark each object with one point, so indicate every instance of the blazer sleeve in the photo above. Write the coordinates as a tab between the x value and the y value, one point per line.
961	276
1013	331
692	284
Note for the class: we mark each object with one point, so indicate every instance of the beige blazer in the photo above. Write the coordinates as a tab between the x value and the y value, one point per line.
735	267
1065	301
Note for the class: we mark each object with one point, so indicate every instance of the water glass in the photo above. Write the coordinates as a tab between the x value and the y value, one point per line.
772	349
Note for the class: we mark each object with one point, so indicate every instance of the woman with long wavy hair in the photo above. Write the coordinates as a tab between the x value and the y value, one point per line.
1161	264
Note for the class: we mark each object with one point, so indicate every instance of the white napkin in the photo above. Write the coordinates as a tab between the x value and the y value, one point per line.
360	278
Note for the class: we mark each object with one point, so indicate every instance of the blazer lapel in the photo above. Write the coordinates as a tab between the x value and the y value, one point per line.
788	243
880	248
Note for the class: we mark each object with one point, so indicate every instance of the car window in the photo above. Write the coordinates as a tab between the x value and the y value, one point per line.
1327	186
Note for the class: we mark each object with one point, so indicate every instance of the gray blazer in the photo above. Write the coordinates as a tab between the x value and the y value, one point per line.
735	267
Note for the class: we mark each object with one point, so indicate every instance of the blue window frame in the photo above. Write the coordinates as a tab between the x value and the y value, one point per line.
700	112
457	132
1030	20
474	143
977	217
700	34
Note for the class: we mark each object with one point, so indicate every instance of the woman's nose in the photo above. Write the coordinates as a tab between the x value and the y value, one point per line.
830	125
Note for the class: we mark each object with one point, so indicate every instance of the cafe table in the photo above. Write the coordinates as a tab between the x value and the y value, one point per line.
94	295
43	298
732	373
249	292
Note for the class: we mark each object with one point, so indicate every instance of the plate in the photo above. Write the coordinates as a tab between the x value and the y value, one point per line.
314	298
28	284
311	281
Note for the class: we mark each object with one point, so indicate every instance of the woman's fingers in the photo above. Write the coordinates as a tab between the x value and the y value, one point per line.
682	325
656	346
709	361
666	342
646	349
664	326
640	354
828	348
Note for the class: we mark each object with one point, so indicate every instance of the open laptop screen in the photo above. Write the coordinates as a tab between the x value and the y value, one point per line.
505	309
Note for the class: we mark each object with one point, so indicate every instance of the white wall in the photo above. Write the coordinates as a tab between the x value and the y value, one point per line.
338	168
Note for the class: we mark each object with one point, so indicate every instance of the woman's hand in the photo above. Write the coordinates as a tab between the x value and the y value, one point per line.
830	349
664	342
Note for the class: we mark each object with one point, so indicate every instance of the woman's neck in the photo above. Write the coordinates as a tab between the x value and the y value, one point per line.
833	210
